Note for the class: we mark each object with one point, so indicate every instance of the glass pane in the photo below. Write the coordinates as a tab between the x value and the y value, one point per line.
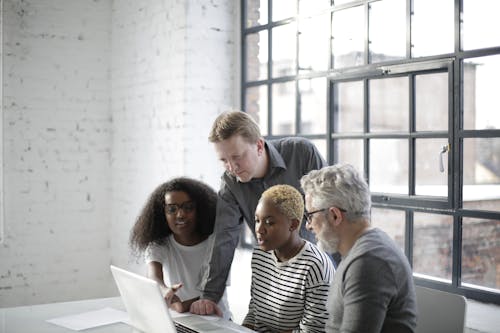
481	160
348	107
256	12
480	253
383	25
480	24
284	50
431	102
283	9
283	111
480	91
432	27
321	145
389	177
312	95
431	167
392	222
432	245
308	6
341	2
389	105
256	105
314	43
348	37
349	151
256	52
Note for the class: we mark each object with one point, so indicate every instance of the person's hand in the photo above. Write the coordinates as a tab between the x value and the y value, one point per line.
205	307
173	301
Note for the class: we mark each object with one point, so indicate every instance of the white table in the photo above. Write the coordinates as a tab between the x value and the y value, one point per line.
28	319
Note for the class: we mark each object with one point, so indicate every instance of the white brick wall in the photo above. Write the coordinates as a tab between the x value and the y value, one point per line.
102	101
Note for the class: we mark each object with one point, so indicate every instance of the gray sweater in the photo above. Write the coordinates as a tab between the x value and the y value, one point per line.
373	289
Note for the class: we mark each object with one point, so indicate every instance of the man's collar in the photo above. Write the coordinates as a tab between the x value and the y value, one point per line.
275	158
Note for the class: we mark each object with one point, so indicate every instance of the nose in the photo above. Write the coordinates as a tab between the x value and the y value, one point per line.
180	212
231	166
309	225
259	228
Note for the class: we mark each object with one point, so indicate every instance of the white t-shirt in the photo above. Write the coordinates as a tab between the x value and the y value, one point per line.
184	264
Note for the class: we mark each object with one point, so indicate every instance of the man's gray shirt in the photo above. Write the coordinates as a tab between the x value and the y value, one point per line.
289	160
373	289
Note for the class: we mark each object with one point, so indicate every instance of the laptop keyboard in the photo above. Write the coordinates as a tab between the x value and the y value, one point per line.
183	329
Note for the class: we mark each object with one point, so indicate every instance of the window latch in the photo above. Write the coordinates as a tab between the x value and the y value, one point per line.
444	150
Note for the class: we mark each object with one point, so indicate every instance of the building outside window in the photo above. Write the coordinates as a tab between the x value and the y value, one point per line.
406	91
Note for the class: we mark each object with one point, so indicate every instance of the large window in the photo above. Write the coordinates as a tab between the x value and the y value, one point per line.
406	91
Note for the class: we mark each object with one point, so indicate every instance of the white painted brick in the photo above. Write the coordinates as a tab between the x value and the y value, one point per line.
103	100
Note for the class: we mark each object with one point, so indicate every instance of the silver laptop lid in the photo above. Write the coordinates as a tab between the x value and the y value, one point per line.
142	298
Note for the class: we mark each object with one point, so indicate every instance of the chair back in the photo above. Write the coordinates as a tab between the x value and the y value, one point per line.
439	311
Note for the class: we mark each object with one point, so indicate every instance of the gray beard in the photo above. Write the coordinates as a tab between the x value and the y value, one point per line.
330	246
327	240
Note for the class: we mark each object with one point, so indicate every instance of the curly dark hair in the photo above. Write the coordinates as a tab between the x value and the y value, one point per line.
151	226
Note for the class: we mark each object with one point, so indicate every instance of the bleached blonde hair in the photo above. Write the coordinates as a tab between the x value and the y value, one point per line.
287	199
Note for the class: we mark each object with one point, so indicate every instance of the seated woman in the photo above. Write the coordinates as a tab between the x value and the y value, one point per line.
174	230
290	276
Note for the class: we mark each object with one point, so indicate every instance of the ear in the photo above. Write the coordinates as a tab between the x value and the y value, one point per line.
335	215
261	146
294	225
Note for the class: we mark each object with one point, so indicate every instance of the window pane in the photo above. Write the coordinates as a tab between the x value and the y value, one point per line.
256	52
308	6
283	9
321	145
480	253
283	114
256	105
314	43
349	151
432	245
481	160
348	107
480	24
348	37
430	179
432	27
431	102
312	94
284	50
480	91
256	12
389	177
392	222
383	25
389	105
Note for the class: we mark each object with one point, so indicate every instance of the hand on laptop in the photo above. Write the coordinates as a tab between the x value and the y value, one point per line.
205	307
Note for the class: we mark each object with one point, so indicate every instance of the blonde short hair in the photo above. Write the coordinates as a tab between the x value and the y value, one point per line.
287	199
231	123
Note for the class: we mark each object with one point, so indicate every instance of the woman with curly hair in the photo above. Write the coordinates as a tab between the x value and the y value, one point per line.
174	231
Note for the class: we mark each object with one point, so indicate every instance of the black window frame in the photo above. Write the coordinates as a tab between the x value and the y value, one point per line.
452	64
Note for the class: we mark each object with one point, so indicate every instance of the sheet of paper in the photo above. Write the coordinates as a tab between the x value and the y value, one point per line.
91	319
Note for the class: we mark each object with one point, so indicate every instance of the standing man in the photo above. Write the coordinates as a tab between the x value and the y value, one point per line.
372	290
252	165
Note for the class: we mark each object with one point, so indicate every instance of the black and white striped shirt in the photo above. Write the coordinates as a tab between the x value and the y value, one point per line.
290	295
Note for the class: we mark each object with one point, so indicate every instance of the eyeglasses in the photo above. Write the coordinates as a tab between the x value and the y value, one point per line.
309	215
187	207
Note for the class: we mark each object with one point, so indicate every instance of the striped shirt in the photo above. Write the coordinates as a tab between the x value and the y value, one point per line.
289	295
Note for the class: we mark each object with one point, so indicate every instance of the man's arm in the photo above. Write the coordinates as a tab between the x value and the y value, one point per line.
369	287
227	231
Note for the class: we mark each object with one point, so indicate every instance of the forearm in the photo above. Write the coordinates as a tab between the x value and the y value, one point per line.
226	235
220	264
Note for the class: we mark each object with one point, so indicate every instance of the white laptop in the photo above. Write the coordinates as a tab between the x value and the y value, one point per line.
149	313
